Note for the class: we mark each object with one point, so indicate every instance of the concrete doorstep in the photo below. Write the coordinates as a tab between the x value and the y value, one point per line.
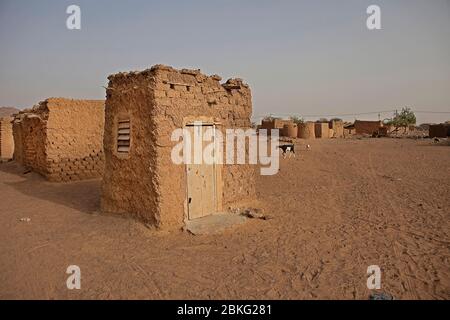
215	223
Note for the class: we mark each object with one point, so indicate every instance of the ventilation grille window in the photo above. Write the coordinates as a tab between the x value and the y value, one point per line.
123	136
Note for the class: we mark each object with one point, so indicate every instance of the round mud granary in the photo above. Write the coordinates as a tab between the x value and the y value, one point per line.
306	130
290	130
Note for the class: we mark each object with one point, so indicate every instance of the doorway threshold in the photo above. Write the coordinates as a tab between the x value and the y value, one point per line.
214	223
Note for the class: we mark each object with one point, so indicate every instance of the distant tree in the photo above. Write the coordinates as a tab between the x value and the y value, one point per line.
322	120
336	119
270	118
297	120
403	119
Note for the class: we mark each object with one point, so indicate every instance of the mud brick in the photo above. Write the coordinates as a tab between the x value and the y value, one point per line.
188	96
160	94
173	94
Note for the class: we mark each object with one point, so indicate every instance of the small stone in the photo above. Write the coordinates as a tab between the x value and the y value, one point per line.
254	213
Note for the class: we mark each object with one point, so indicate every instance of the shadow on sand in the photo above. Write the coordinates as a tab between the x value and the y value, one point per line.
83	196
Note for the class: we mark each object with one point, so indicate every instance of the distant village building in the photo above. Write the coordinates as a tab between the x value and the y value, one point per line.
336	128
6	139
142	111
439	130
286	127
289	130
274	123
349	129
322	130
306	130
382	132
62	139
367	127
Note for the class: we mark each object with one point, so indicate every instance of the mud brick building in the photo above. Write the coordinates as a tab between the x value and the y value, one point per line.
439	130
274	123
322	130
285	127
349	129
6	139
142	111
336	128
62	139
367	127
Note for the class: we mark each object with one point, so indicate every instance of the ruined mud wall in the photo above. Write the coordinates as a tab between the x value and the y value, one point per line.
18	154
61	139
6	138
337	127
158	101
367	127
29	131
348	132
74	144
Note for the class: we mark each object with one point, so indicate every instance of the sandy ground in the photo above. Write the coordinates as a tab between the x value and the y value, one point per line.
336	209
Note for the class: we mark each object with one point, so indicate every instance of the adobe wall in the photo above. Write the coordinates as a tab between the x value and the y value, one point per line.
6	138
322	130
383	131
18	154
349	131
306	130
367	127
289	130
276	124
338	128
130	181
145	182
75	139
439	130
29	132
62	139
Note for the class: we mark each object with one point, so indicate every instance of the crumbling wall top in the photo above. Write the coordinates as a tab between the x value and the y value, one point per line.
42	109
194	74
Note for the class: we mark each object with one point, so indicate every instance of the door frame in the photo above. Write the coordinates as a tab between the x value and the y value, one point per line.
217	171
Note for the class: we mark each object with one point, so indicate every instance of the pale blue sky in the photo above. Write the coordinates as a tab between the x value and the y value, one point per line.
300	57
